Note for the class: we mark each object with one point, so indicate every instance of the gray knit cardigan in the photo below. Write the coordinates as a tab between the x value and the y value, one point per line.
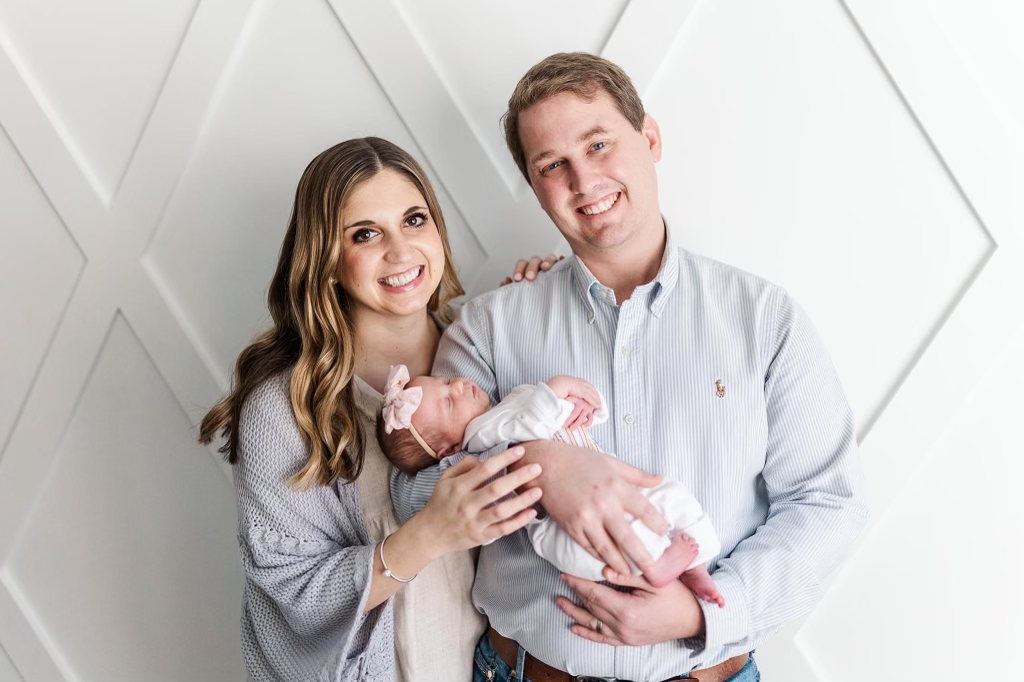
307	557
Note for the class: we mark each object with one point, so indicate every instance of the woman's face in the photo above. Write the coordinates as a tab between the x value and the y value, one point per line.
392	257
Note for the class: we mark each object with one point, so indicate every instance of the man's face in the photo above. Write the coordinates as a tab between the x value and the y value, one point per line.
592	172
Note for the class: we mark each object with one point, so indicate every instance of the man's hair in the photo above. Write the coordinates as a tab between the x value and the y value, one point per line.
402	449
580	73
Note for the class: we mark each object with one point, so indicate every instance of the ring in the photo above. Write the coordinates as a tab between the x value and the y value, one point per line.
599	627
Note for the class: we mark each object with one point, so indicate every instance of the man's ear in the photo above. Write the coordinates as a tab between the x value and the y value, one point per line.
653	134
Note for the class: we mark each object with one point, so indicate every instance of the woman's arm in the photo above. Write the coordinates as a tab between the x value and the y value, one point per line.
463	512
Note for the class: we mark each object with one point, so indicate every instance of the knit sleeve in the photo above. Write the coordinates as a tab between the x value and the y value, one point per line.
307	560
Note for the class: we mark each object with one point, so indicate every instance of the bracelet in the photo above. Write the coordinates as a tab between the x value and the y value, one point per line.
387	571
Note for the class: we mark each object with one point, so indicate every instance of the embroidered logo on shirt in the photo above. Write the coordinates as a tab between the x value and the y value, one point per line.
719	388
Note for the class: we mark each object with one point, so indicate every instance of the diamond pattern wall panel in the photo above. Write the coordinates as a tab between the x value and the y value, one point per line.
774	168
947	534
97	67
479	51
131	544
277	110
39	264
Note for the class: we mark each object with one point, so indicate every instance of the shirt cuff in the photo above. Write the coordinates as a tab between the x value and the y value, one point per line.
548	408
723	626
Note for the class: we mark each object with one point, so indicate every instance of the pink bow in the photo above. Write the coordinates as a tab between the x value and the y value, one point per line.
399	402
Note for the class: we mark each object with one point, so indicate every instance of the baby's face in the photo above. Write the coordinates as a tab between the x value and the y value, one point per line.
447	408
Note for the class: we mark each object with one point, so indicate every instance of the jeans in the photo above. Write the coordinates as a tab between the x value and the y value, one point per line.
488	667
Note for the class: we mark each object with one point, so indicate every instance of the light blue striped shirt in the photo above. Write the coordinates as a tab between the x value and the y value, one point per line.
771	457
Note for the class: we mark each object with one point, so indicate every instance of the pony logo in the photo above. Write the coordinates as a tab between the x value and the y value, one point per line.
719	388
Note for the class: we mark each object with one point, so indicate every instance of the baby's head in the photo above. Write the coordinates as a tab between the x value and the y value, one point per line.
432	409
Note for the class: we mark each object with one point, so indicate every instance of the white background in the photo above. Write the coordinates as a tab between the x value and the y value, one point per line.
865	154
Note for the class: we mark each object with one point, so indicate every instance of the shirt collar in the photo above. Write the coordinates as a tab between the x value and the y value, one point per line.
590	290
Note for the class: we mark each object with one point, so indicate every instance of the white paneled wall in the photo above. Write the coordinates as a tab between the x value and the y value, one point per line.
865	154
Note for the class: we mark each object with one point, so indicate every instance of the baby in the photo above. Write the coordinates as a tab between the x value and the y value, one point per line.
429	418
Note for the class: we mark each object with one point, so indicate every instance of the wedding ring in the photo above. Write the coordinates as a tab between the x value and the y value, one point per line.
599	627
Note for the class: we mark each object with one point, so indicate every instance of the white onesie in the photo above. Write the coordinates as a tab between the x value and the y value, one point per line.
534	412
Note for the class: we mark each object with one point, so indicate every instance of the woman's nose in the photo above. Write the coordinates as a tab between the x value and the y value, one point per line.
399	249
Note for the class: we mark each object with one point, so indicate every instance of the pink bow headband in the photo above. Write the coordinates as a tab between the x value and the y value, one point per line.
400	403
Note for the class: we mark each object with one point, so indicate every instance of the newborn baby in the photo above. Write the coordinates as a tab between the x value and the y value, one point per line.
429	418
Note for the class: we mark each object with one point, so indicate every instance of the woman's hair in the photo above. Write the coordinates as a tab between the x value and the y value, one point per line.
402	449
312	333
580	73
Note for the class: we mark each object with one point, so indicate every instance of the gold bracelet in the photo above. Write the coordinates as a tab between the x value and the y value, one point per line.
387	571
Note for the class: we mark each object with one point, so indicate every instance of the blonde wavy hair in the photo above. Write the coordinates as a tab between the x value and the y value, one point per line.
312	333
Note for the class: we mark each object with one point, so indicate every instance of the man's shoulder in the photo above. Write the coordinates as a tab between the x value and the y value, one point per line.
718	277
514	296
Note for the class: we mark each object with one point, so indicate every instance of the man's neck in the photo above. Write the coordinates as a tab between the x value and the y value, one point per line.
382	341
623	269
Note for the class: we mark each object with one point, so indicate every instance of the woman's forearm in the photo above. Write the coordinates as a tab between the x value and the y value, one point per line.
407	552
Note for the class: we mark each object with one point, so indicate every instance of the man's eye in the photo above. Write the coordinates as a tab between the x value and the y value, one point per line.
597	146
552	166
363	235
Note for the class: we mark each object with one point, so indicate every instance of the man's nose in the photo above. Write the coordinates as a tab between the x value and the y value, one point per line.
582	178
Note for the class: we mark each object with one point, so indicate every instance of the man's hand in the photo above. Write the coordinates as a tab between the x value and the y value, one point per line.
589	495
646	615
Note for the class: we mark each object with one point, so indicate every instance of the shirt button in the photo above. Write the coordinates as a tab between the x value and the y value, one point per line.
626	350
629	419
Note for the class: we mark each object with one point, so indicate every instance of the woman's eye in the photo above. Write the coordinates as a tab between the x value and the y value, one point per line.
416	220
363	235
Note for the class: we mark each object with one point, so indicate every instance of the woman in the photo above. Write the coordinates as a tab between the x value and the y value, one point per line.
363	281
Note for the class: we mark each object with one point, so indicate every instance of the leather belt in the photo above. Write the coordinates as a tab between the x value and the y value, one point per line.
539	671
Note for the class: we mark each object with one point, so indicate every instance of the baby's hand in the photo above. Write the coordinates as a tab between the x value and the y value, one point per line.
581	394
582	414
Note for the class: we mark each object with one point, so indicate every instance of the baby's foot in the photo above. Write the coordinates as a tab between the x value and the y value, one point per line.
674	561
699	581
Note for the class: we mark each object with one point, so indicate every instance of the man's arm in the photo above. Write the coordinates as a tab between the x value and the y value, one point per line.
593	511
817	509
815	486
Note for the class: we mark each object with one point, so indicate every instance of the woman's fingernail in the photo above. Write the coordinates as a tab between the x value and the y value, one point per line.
518	451
534	468
518	277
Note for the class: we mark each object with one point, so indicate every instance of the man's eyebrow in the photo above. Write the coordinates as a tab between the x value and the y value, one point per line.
596	130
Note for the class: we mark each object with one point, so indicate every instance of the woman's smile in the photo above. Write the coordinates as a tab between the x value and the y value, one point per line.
407	280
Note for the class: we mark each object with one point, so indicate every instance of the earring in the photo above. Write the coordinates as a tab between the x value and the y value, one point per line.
331	281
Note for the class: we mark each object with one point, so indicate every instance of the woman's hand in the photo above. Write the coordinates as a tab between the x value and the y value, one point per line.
645	615
589	495
528	268
465	511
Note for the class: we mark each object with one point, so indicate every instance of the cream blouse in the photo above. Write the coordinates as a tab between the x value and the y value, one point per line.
436	624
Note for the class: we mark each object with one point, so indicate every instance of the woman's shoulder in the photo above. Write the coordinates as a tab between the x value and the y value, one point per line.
266	427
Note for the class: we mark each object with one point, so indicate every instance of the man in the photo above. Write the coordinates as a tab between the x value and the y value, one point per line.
714	377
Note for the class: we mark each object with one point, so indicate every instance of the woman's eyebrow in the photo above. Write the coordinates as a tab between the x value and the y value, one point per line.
413	209
361	223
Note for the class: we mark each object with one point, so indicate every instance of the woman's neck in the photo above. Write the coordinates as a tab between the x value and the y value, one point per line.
382	341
